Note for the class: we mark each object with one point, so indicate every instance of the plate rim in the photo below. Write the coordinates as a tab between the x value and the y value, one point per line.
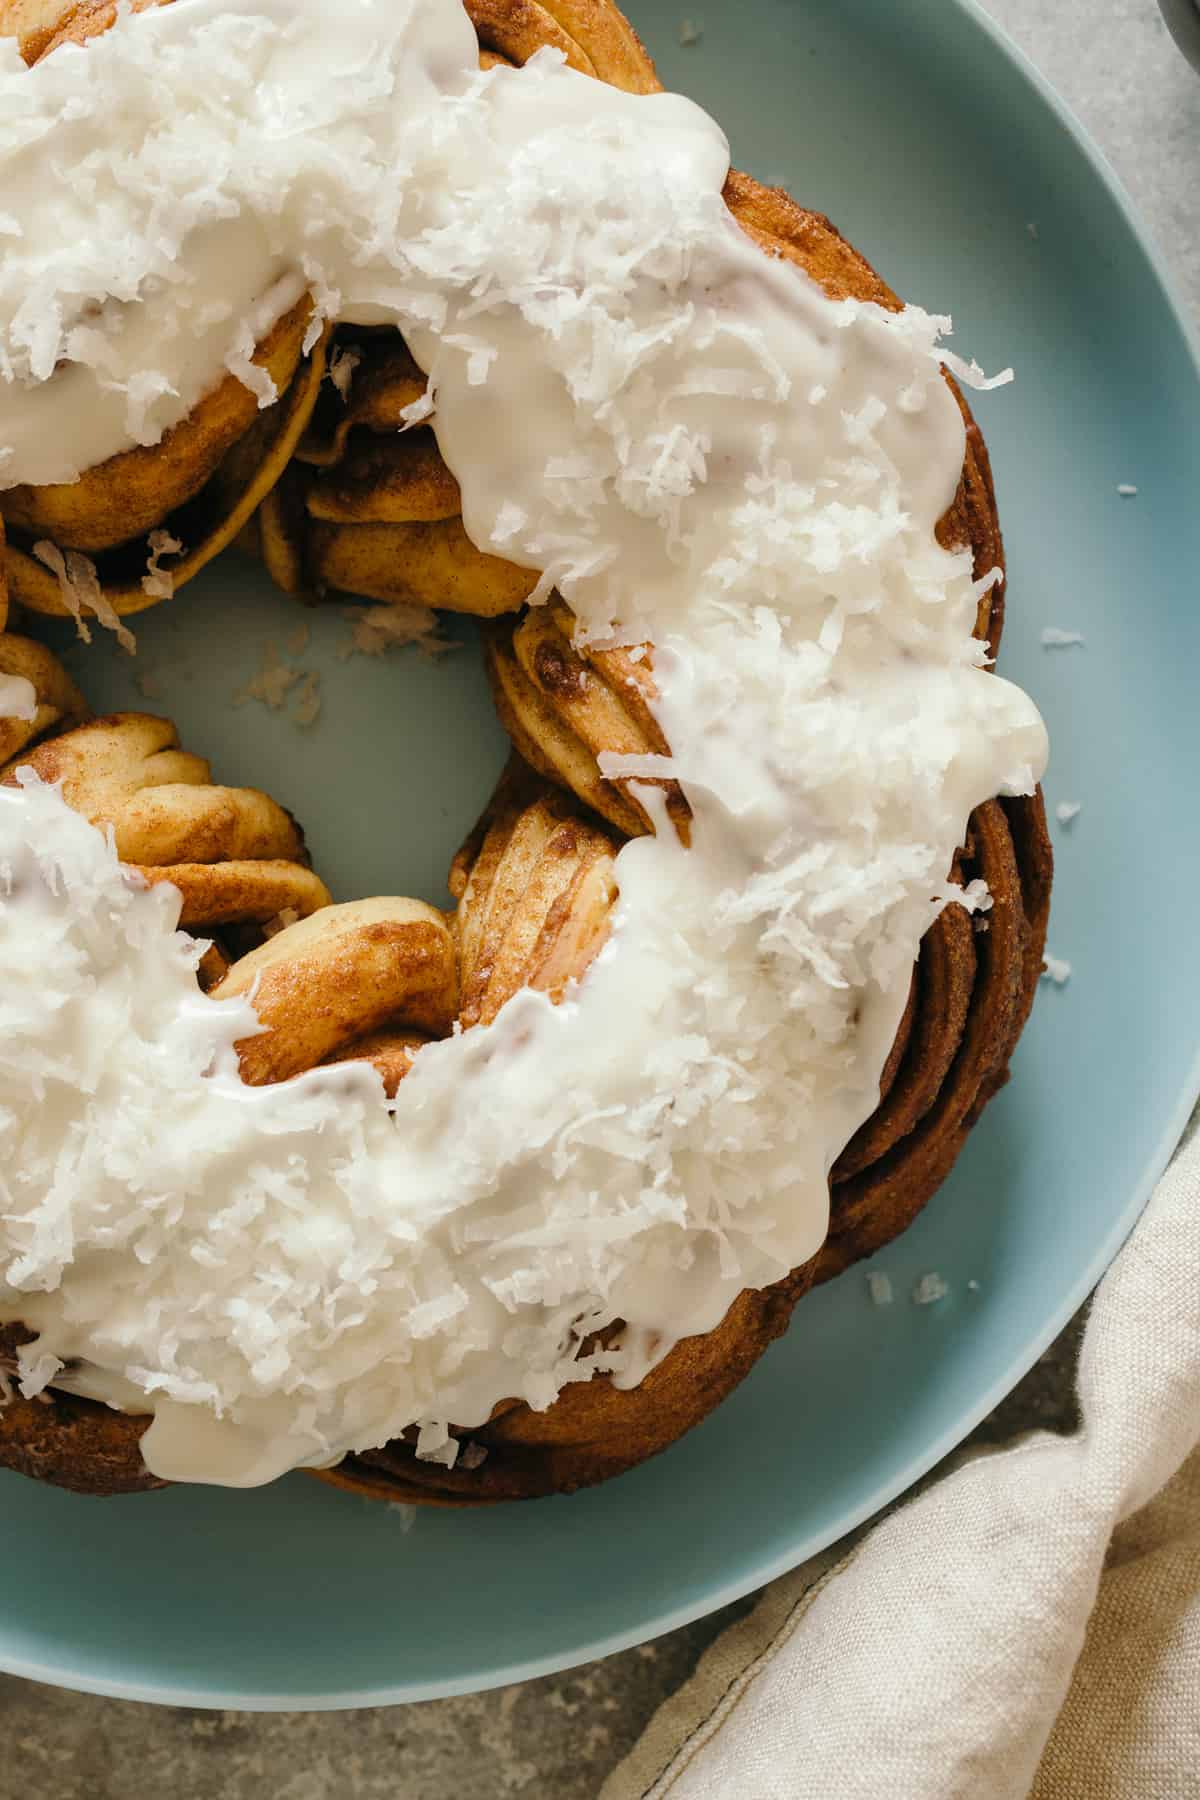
769	1568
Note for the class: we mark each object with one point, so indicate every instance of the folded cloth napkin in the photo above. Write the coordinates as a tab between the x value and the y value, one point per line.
1028	1626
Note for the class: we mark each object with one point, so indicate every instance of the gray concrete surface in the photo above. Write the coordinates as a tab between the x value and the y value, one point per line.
557	1738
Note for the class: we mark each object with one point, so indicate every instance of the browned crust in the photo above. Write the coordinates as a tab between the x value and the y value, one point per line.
75	1444
209	519
593	1431
390	1051
592	35
59	702
971	994
941	998
873	1203
385	380
562	704
535	884
234	854
365	968
72	1443
395	480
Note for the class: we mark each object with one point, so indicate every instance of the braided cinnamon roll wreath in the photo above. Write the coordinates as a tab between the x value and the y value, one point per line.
323	485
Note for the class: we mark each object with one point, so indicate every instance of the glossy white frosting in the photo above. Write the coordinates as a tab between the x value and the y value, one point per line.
695	446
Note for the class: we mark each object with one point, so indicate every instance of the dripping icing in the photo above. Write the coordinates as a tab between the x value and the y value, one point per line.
708	453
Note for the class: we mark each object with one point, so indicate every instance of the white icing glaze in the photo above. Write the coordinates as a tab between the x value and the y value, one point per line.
696	446
18	698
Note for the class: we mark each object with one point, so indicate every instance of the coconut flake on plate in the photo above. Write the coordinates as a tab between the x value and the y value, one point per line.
79	585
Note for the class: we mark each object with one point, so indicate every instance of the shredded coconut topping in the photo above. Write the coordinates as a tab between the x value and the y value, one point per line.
79	585
291	1273
374	630
157	581
342	363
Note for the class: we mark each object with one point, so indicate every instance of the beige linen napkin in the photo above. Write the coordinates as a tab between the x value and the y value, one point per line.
1028	1626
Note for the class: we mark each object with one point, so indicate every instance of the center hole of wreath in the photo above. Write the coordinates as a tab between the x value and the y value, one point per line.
386	760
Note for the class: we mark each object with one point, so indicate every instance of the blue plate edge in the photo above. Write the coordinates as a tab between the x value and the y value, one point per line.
948	1439
768	1571
1160	267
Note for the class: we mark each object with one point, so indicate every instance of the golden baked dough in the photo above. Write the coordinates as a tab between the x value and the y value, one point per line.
59	701
219	492
535	884
373	377
198	486
395	480
377	513
562	706
40	26
130	494
362	508
429	564
372	979
239	861
971	994
593	1430
234	854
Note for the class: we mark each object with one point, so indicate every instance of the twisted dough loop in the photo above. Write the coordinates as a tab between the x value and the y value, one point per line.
129	494
236	857
220	502
373	512
373	980
234	854
562	706
428	563
534	883
972	993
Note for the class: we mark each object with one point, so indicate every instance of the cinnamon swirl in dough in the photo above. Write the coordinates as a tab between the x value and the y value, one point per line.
631	1063
237	858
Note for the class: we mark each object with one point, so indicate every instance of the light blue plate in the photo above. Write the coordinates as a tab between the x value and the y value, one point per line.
957	172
